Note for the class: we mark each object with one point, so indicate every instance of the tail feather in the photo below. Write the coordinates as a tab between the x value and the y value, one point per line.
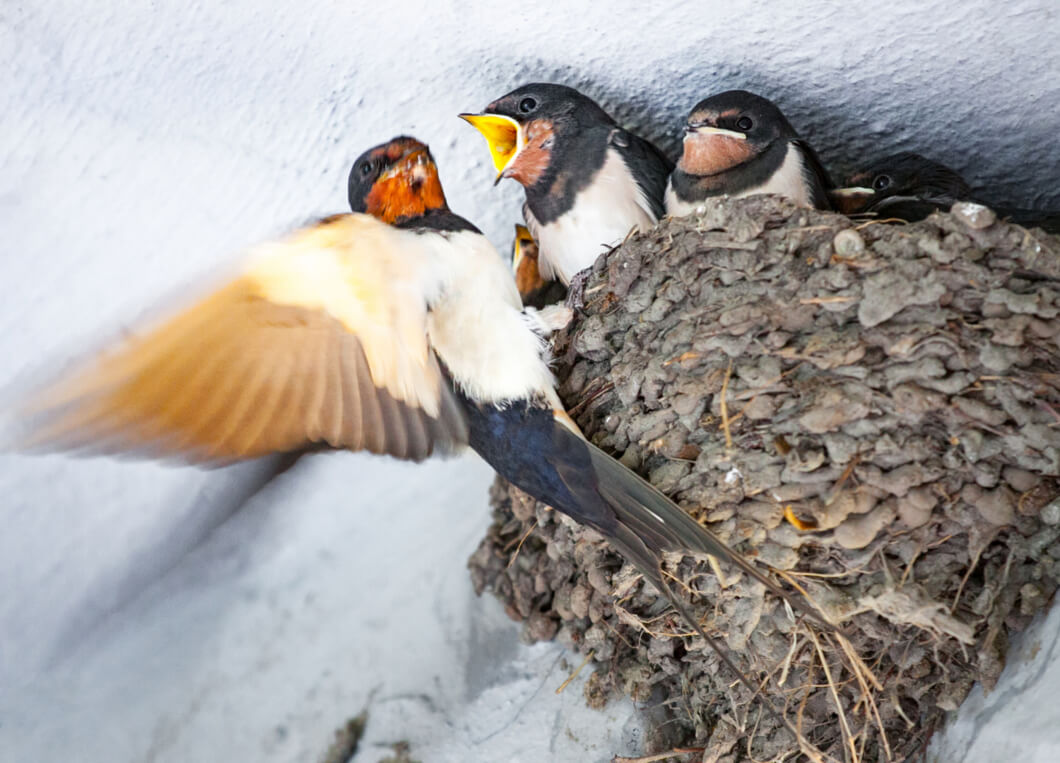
543	453
630	544
643	524
662	526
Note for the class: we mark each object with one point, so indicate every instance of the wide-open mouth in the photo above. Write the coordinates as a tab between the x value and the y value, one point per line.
503	135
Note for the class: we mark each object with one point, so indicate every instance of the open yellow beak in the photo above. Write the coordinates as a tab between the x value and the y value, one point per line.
523	241
503	134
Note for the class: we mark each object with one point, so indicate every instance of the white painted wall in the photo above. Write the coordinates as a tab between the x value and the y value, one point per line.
144	144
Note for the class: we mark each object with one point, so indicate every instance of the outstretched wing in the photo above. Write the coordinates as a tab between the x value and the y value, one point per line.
320	341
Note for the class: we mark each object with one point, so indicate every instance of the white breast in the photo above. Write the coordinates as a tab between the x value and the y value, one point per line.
788	181
478	328
603	214
676	207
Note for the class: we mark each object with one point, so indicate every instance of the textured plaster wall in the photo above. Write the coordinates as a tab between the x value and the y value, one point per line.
143	144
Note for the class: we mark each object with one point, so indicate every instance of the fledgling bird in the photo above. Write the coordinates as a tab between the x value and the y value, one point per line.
907	186
739	144
405	339
588	182
534	289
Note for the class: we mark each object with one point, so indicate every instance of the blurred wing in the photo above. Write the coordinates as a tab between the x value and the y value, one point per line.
321	340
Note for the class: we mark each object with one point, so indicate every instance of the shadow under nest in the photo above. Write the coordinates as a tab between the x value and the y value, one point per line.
871	411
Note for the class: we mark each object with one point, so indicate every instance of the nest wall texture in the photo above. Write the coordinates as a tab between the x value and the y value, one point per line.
871	410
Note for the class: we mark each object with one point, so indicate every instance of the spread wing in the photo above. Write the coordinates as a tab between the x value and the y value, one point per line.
321	340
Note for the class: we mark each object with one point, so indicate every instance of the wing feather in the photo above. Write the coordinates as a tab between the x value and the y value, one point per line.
816	175
330	415
372	437
352	409
321	340
648	165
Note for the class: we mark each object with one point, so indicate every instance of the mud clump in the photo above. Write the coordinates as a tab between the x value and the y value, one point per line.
872	411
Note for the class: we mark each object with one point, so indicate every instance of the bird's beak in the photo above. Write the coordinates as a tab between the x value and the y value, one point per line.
705	129
851	200
522	240
504	136
412	164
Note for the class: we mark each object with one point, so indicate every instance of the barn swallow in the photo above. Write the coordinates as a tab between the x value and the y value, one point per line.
908	186
588	182
534	290
403	339
397	182
739	144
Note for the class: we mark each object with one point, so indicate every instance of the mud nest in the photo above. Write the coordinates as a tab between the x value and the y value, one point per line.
873	411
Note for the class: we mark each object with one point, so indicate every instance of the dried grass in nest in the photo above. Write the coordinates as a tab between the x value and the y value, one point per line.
872	411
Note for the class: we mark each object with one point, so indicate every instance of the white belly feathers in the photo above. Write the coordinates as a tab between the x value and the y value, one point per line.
485	340
603	215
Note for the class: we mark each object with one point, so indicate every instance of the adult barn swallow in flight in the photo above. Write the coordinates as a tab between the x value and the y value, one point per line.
739	144
908	186
588	182
404	339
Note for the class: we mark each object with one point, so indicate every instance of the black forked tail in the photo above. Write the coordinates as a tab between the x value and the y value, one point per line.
530	448
659	525
646	524
546	459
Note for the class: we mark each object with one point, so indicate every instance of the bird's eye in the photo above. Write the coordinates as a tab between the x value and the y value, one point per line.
527	105
744	123
881	182
366	168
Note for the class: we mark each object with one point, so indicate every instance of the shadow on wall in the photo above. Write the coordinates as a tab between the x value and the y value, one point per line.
141	567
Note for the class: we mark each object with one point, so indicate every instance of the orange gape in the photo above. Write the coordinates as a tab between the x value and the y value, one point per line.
409	189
